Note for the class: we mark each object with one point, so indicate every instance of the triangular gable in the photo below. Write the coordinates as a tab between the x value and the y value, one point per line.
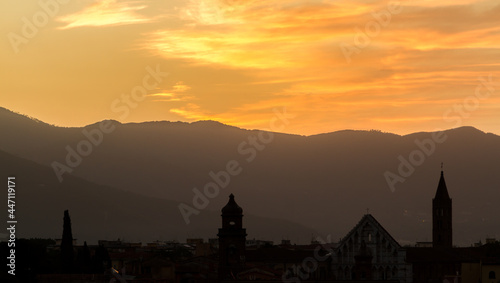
369	223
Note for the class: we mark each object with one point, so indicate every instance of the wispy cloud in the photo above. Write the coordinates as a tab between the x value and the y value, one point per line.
256	35
425	60
180	87
162	94
106	13
242	58
192	112
174	94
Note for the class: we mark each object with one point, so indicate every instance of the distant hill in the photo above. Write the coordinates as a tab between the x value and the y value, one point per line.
325	181
100	212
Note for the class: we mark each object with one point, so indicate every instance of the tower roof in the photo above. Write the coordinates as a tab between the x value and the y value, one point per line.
232	208
442	191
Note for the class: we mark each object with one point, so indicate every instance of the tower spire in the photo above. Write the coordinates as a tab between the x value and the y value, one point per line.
442	190
442	231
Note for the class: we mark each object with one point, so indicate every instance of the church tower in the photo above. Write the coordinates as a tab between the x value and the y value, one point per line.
232	238
441	216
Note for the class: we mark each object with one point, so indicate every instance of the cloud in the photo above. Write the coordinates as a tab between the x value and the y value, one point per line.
303	34
244	58
106	13
180	87
255	35
174	94
192	112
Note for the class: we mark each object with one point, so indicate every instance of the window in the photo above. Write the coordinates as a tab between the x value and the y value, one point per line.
492	275
370	237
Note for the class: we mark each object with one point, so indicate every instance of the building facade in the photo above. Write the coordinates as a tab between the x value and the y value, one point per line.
369	252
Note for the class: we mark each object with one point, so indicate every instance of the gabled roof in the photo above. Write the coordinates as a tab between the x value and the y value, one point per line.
442	191
369	219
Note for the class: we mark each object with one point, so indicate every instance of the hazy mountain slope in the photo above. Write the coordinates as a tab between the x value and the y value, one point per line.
325	181
101	212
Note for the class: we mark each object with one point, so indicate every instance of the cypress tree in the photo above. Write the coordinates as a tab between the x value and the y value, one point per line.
86	258
67	252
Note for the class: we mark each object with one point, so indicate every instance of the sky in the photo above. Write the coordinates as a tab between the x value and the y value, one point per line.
394	66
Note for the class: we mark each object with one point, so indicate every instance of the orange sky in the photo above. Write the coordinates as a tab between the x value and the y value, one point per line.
396	66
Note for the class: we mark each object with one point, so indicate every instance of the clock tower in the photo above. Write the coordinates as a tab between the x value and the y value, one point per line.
232	239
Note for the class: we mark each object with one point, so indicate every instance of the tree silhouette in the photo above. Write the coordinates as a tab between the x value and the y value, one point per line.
83	259
67	252
101	260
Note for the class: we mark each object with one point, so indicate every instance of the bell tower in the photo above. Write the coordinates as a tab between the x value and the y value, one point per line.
442	232
232	238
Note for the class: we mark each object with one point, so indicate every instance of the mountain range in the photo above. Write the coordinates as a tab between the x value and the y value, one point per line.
129	180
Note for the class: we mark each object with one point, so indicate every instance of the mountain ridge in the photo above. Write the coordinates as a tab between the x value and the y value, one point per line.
322	181
218	123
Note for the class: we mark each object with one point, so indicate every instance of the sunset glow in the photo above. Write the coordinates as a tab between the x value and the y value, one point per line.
396	66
